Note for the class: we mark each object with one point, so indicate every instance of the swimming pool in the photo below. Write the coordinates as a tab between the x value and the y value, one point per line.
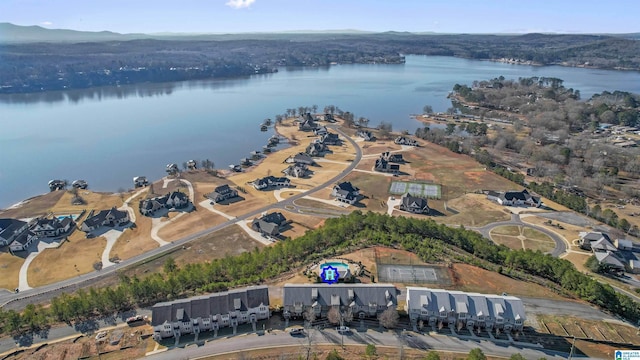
72	216
344	271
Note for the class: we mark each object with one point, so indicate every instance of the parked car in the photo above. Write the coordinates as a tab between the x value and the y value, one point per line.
296	332
343	329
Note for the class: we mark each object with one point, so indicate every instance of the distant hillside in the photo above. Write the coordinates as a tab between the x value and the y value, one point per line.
10	33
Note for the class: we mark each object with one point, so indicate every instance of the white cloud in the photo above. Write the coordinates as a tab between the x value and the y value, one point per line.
239	4
46	23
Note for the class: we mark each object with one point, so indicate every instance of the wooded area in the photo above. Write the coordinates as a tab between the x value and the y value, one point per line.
431	241
38	67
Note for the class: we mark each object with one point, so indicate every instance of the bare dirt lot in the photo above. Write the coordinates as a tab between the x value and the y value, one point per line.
190	223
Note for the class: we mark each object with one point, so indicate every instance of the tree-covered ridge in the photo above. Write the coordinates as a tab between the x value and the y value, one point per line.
37	67
426	238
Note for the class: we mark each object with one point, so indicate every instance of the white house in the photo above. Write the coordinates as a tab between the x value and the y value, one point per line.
514	198
210	312
470	310
23	241
173	200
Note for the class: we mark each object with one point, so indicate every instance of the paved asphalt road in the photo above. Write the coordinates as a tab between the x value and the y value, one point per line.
296	345
561	245
9	300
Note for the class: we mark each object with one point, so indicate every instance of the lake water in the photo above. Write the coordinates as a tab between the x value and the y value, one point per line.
109	135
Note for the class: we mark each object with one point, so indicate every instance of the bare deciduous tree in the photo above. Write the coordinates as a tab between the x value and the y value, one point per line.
334	315
389	318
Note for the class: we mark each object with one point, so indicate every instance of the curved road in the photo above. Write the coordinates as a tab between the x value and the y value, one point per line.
561	245
18	301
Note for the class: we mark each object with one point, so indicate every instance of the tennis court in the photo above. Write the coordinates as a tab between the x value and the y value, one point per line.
407	274
416	189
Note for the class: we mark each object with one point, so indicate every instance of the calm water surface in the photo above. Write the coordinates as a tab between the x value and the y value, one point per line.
109	135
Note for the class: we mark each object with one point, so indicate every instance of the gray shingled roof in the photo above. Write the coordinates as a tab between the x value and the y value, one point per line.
212	304
363	294
9	226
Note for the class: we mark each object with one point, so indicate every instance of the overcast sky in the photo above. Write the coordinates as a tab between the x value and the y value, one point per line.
232	16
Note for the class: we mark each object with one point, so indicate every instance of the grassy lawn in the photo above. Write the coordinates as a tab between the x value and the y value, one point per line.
474	210
512	230
10	266
512	242
543	246
75	257
534	234
231	240
135	241
190	223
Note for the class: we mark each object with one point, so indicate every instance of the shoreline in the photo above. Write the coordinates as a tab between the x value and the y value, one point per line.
222	173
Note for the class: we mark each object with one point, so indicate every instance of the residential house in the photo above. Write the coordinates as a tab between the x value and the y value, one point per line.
623	244
602	245
514	198
210	312
296	170
112	217
366	135
270	182
300	158
609	261
394	158
11	229
362	300
172	201
345	192
414	204
634	266
22	242
45	227
402	140
329	118
307	123
269	224
586	238
330	139
172	169
383	165
316	149
140	181
192	165
320	130
469	310
221	193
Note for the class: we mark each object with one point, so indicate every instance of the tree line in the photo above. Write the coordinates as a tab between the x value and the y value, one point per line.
38	67
426	238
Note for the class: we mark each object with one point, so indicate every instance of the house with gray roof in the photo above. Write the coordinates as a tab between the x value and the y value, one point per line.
296	170
330	139
385	166
22	242
469	310
269	224
171	201
391	157
345	192
52	227
316	149
307	123
210	312
363	300
270	182
402	140
588	238
10	229
300	158
221	193
366	135
112	218
414	204
514	198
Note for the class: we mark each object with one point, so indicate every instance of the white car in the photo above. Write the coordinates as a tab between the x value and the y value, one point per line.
343	329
